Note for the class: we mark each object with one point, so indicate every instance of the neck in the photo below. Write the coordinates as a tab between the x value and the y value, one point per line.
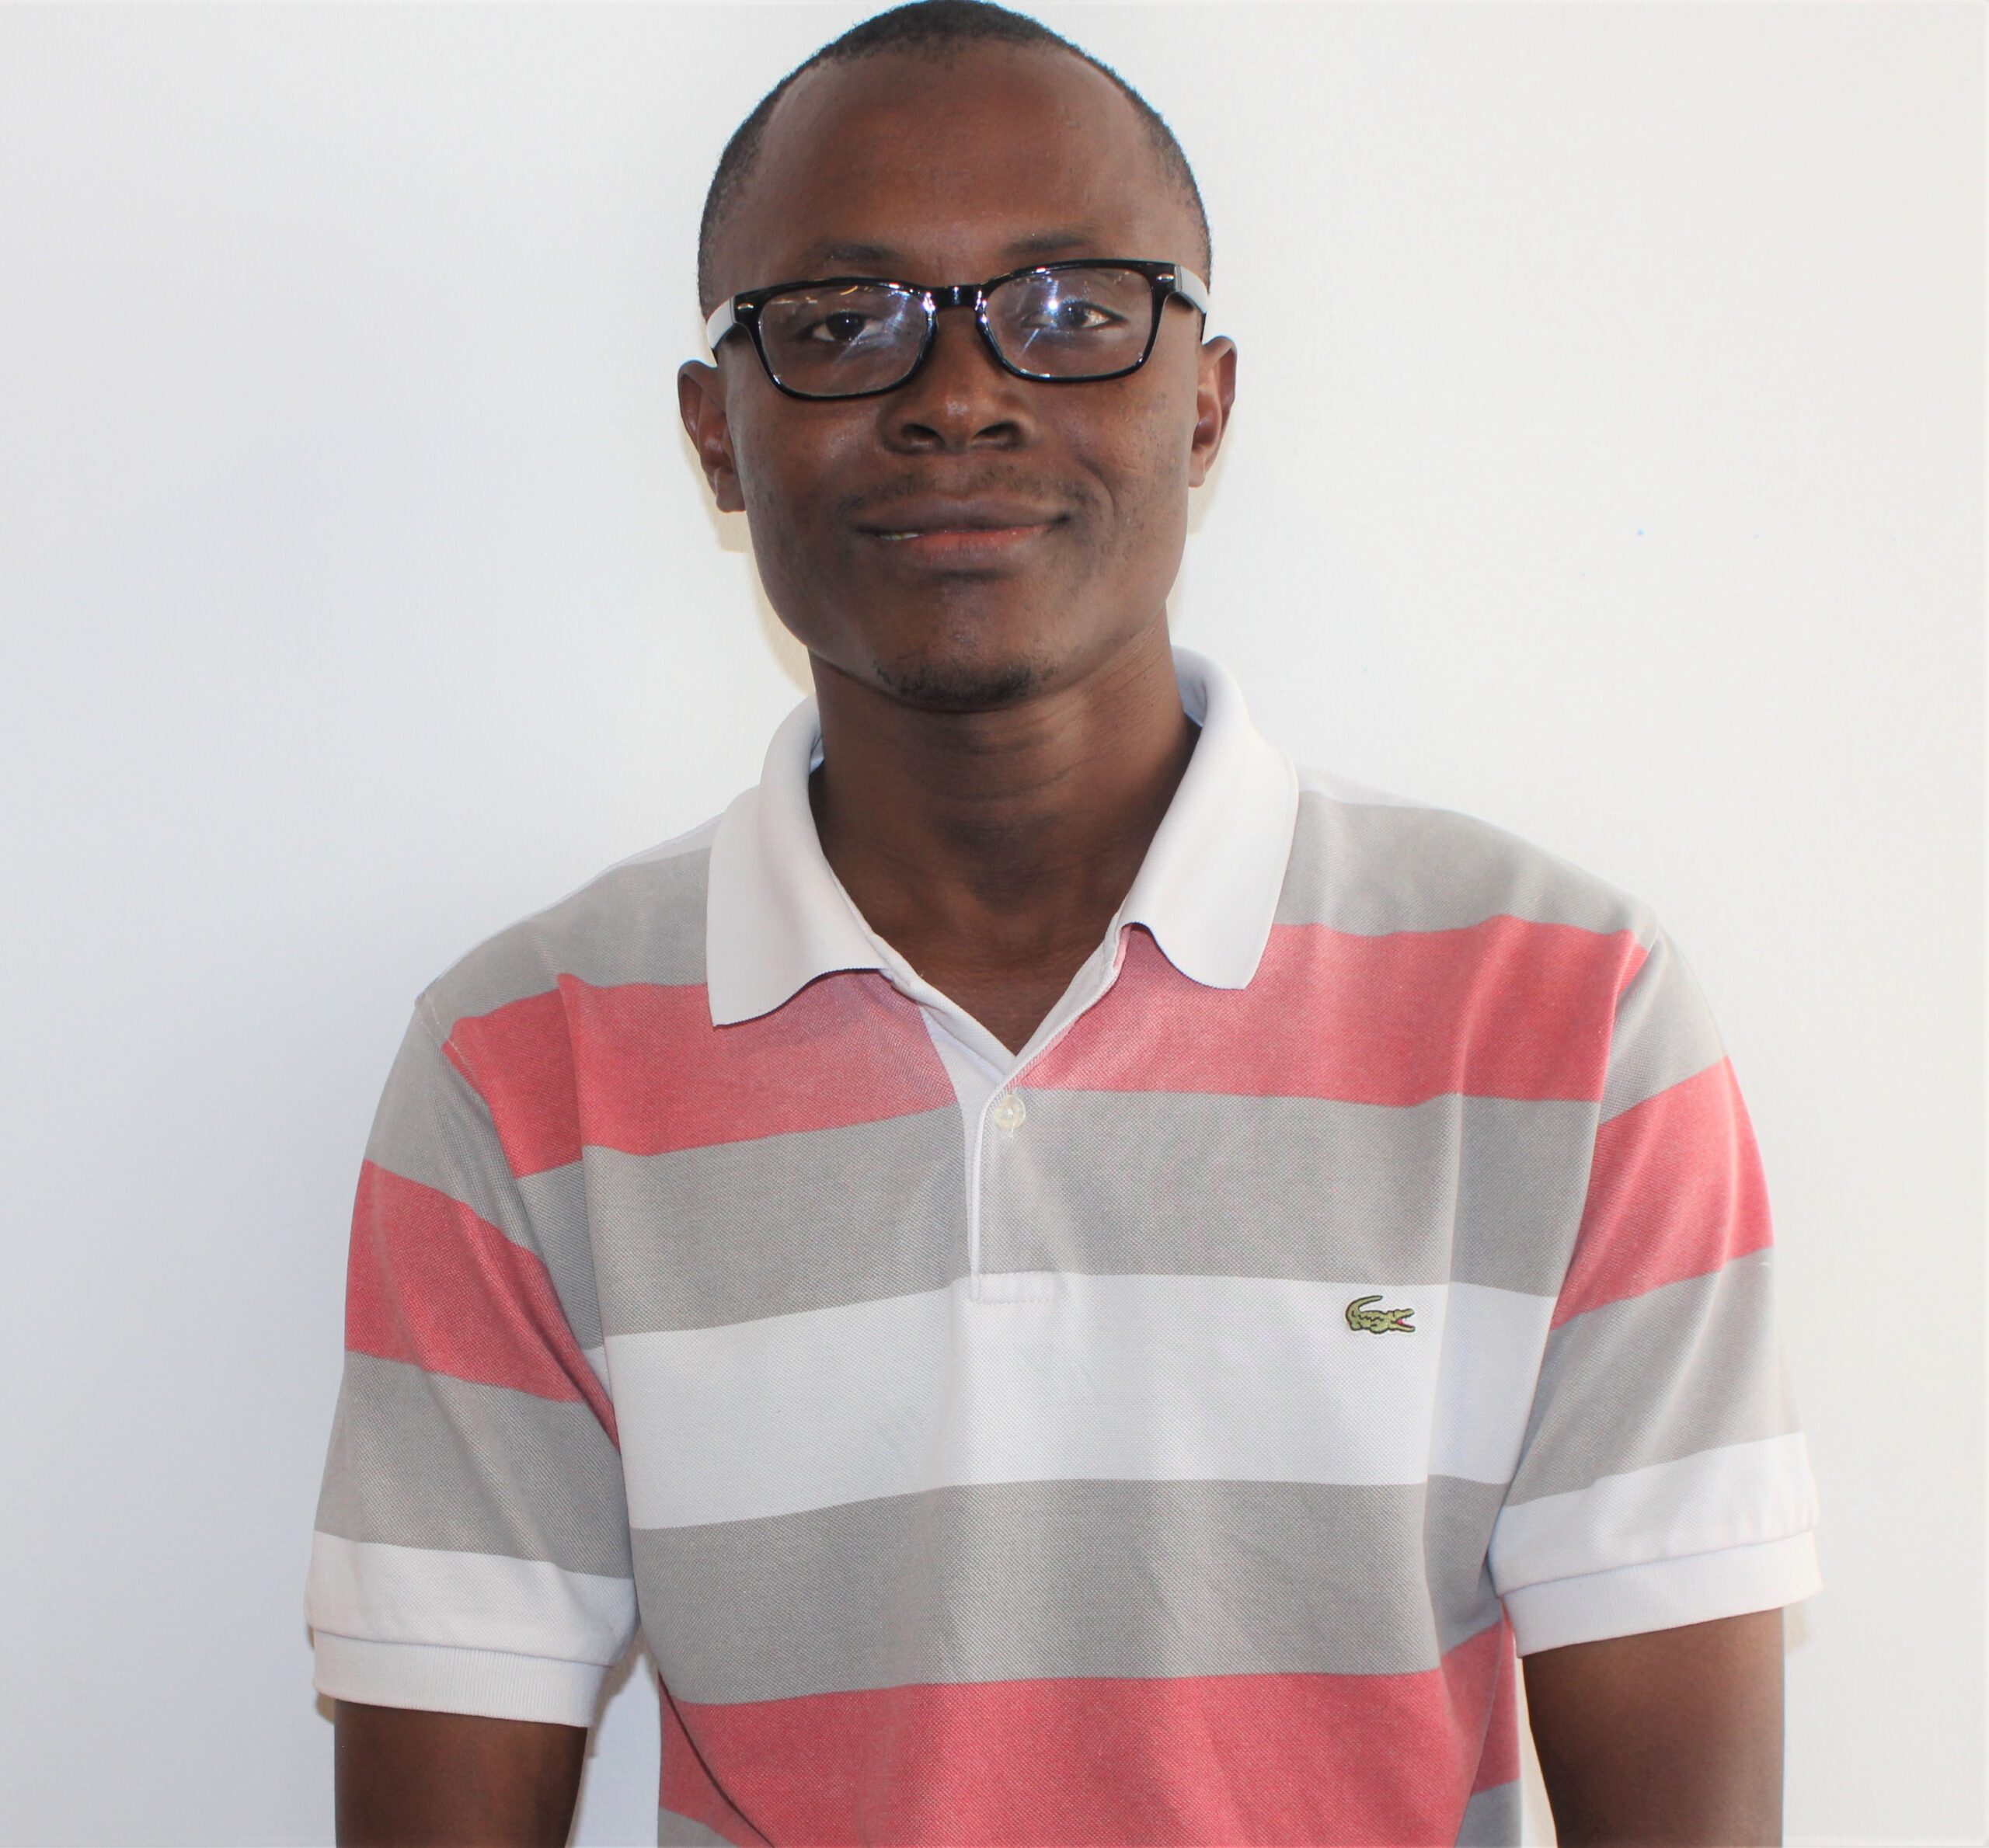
1018	831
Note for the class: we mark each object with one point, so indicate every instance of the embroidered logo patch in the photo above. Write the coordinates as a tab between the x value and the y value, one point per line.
1377	1321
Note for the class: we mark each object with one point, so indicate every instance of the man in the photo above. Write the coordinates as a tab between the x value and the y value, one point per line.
1088	1283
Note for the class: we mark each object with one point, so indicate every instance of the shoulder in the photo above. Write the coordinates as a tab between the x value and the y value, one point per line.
1369	861
640	919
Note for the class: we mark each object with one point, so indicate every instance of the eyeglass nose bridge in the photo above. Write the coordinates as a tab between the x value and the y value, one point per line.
959	294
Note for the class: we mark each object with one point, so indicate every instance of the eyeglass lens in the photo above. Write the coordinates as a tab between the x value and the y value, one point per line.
849	337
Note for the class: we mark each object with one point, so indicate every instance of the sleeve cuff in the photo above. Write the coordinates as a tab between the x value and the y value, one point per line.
1663	1594
442	1680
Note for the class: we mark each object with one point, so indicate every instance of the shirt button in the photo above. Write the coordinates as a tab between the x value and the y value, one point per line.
1008	1113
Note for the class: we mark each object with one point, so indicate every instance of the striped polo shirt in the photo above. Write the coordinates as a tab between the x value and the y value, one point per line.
1170	1433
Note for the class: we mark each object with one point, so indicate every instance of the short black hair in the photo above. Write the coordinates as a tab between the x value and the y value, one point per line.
935	26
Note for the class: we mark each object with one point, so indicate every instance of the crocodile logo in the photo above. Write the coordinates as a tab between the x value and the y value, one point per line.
1377	1321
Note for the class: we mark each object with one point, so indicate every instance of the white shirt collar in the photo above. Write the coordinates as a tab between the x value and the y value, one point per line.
776	916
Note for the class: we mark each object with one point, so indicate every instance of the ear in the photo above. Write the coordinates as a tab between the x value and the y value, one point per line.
1215	392
701	401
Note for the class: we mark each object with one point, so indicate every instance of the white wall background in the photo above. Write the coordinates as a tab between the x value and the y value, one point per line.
1607	461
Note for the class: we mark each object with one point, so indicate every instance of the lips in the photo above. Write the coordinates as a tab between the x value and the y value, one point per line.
935	514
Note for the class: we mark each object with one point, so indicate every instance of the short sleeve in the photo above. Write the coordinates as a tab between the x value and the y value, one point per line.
472	1551
1664	1478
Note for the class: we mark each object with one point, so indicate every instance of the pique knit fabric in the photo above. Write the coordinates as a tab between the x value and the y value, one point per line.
1171	1433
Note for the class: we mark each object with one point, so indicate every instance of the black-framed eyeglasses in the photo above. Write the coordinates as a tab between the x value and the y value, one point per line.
853	337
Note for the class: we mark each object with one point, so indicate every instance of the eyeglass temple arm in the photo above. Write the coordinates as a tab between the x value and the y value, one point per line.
723	320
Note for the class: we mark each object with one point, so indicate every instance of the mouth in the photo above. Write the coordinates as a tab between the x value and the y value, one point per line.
963	531
964	541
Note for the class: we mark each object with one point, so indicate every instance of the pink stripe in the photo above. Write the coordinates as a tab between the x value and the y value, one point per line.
687	1787
640	1067
429	1283
1368	1758
1502	1008
520	1059
1499	1762
1675	1190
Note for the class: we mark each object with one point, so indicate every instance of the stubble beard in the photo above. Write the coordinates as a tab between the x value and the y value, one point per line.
953	687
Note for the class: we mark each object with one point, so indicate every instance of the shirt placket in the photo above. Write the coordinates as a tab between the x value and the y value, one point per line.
992	1122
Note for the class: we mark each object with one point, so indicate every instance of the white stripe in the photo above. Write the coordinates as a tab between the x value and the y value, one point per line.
1665	1594
1493	1343
1139	1378
388	1594
456	1680
1736	1496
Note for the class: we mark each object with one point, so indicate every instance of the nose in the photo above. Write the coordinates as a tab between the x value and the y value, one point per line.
960	397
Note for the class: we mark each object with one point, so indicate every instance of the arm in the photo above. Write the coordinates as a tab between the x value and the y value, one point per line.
1663	1510
1671	1736
406	1777
470	1584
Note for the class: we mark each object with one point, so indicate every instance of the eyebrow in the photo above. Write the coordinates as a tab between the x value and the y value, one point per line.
881	259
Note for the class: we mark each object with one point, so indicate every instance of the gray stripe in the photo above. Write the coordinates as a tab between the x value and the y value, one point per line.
1022	1580
644	922
432	1128
419	1460
1664	1032
1687	1367
557	1199
1465	1189
1475	1190
1372	869
1491	1818
697	1237
675	1831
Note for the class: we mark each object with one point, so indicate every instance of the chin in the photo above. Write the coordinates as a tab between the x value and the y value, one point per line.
957	658
961	680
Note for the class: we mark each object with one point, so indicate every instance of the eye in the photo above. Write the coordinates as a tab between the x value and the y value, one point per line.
843	328
1074	315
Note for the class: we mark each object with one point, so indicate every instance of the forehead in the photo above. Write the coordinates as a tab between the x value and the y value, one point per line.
949	169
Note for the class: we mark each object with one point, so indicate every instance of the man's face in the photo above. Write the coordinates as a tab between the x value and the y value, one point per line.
906	167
